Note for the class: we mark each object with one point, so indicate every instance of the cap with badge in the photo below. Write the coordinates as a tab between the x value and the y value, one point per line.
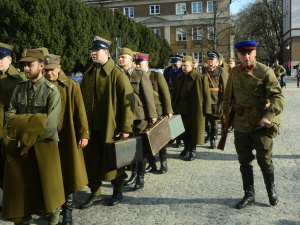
52	61
126	51
5	50
100	43
245	46
44	50
175	58
31	55
187	58
140	57
213	55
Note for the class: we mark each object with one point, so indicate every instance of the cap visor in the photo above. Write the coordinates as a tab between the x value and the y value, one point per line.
29	59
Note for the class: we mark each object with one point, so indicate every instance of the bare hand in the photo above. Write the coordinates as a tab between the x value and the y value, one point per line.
83	142
153	120
122	135
264	122
170	115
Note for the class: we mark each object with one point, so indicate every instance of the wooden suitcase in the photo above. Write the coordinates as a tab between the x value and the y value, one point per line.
155	137
176	126
124	152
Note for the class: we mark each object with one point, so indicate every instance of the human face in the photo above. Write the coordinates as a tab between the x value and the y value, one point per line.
195	65
125	61
232	64
33	70
99	56
52	74
212	62
4	63
187	66
177	65
143	65
247	58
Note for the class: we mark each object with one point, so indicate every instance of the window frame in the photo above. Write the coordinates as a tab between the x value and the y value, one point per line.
200	2
199	56
207	7
155	13
182	31
199	33
181	12
129	14
157	29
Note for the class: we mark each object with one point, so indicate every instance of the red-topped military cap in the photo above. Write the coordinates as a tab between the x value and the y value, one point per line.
246	46
141	57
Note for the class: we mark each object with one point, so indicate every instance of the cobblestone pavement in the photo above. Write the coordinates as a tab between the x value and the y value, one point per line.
206	190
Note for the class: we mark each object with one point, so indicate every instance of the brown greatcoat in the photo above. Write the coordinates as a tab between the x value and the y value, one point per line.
198	105
73	125
115	114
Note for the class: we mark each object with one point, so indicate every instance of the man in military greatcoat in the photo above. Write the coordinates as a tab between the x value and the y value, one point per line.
72	130
33	179
162	103
217	79
191	99
109	101
257	100
144	107
9	78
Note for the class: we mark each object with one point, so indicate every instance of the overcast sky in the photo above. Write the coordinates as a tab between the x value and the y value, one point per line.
238	5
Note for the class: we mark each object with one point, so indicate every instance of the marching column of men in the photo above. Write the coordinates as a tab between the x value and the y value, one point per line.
48	110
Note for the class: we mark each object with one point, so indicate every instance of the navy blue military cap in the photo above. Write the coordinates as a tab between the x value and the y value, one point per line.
245	46
175	58
100	43
5	49
212	55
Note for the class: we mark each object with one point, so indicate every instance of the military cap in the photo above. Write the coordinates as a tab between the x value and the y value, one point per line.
175	58
31	55
5	49
213	55
52	61
195	60
245	46
127	51
187	58
100	43
140	57
44	50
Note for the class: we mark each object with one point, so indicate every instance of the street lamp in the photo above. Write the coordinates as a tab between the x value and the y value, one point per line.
288	45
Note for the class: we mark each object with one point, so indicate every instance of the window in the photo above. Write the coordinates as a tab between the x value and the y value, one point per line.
156	31
210	6
211	33
154	9
199	56
180	8
196	7
197	33
113	9
181	34
129	12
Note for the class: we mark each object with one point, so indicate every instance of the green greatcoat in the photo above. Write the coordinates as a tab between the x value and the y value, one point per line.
33	182
73	126
264	85
161	93
196	105
279	70
114	95
8	82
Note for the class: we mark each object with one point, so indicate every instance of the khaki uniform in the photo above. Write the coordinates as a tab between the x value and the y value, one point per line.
33	181
191	99
73	125
279	70
249	135
109	101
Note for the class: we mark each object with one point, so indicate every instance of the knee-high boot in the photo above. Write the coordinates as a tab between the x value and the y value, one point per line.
213	137
248	186
270	186
186	142
133	176
140	174
208	133
192	151
163	160
67	208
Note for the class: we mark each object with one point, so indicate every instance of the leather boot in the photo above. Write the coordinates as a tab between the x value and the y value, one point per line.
186	145
270	186
92	200
178	142
248	186
191	153
140	175
163	160
116	198
133	176
208	134
213	138
152	165
67	210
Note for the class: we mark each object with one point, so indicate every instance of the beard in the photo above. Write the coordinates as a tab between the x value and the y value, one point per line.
32	75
